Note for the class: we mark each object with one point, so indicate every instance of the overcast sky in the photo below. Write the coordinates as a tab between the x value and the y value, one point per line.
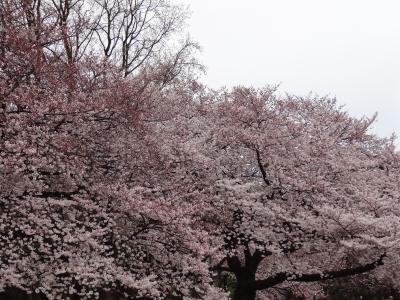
349	49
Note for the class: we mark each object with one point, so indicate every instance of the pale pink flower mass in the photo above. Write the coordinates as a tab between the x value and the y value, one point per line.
122	177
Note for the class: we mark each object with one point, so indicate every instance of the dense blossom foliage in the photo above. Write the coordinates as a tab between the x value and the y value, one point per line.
91	200
128	179
304	192
94	170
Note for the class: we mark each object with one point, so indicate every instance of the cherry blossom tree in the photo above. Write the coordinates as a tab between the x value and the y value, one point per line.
94	171
122	177
304	193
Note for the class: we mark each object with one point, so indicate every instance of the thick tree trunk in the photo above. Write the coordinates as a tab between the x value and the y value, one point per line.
244	293
17	294
245	273
245	285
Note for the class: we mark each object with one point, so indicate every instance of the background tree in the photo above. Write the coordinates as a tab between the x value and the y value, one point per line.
128	34
132	32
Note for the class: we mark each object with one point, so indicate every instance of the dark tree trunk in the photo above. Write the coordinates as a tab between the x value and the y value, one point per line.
245	273
244	293
17	294
245	279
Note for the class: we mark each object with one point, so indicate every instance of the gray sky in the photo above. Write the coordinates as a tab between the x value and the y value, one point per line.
345	48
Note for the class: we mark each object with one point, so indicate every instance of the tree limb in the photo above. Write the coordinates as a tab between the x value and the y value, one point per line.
283	276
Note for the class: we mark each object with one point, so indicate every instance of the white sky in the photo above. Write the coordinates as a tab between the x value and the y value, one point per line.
345	48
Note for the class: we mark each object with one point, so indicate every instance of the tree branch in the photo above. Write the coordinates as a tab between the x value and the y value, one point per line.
260	165
283	276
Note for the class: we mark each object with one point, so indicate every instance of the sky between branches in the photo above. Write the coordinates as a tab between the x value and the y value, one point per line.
345	48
